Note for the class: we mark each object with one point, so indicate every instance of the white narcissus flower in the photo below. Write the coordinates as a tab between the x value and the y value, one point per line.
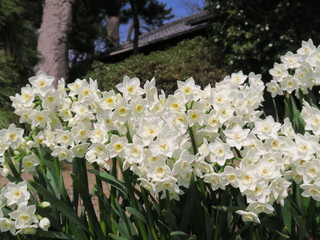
51	100
24	216
42	83
215	180
289	84
130	87
266	128
290	60
16	194
248	216
274	88
189	90
237	136
44	224
13	135
278	72
7	225
40	118
29	163
165	144
258	207
312	190
80	150
62	153
219	152
183	165
117	146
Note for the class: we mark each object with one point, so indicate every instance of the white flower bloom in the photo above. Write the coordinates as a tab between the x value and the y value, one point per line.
80	150
13	135
248	216
7	225
64	138
258	207
289	84
287	129
29	163
215	180
219	152
279	188
278	72
24	216
151	90
311	190
51	100
290	60
97	153
108	100
195	116
40	118
266	128
306	49
62	153
189	90
237	136
130	87
274	88
183	165
117	146
44	224
42	83
165	144
16	194
309	171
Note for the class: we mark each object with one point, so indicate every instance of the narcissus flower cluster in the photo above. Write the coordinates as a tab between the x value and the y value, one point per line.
216	134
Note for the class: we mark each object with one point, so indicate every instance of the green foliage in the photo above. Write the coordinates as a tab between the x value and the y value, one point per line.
190	58
251	35
7	117
18	39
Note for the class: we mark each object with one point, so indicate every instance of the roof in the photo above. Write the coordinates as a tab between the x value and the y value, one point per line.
172	29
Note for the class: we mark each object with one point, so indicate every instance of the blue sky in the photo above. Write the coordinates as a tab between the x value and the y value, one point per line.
179	9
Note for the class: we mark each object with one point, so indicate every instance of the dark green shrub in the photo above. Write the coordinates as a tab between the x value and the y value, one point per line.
189	58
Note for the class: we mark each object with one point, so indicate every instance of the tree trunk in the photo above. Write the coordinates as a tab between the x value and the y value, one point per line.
136	26
53	38
113	24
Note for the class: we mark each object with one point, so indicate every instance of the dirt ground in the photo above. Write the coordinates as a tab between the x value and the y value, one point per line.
66	170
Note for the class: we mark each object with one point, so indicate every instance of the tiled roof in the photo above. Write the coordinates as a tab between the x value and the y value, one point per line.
167	31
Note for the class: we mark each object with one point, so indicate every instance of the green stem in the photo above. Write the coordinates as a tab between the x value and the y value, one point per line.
193	141
101	205
275	109
311	216
149	214
113	192
128	181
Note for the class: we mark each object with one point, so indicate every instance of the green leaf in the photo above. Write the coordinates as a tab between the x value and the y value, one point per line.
86	198
188	206
53	235
58	204
286	215
137	214
111	180
170	219
302	229
178	233
115	237
231	209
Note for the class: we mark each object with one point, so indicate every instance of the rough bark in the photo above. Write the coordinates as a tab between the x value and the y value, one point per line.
113	24
136	26
53	38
